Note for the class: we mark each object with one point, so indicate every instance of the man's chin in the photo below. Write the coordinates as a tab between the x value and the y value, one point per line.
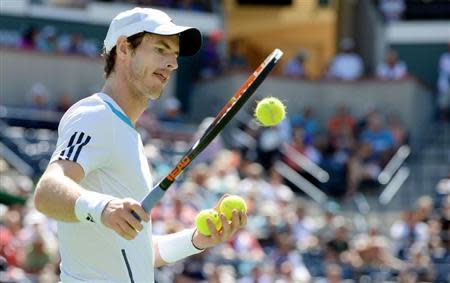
153	95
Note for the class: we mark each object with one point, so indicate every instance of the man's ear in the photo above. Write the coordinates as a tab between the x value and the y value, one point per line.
122	47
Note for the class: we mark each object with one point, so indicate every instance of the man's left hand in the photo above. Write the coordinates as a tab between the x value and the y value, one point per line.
229	228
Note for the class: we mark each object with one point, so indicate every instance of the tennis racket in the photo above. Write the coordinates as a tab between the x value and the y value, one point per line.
224	116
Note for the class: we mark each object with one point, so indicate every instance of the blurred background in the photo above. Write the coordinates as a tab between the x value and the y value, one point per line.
353	186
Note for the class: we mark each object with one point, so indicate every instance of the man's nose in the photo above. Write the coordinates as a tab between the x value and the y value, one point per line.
172	63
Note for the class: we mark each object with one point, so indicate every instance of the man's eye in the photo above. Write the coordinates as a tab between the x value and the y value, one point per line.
160	50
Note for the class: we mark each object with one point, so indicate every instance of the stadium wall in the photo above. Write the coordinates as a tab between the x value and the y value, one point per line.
79	76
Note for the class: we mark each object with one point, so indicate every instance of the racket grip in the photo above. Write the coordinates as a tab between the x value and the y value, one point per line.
150	200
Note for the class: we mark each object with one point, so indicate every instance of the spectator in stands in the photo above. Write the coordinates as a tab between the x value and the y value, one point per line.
361	168
378	136
225	177
246	247
281	191
392	68
340	243
444	218
46	40
289	264
341	121
258	274
254	183
406	232
29	38
333	274
11	240
198	182
308	121
300	144
442	191
192	270
303	226
64	102
347	65
295	67
371	255
329	222
398	130
39	96
444	85
392	10
75	44
36	258
424	206
419	262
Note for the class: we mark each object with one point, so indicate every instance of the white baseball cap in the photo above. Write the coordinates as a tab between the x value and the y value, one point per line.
139	20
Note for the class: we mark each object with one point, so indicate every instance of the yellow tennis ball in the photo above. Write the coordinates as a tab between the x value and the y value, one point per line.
202	224
270	111
232	202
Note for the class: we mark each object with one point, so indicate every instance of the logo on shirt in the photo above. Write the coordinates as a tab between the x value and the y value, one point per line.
76	143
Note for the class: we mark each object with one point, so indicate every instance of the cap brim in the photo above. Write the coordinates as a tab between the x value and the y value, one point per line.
190	38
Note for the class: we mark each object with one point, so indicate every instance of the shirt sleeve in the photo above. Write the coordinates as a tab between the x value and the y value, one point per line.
86	137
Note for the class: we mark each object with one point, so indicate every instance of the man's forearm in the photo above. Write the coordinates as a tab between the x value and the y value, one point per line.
174	247
157	257
56	194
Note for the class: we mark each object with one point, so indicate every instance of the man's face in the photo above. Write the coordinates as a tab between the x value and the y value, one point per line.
152	63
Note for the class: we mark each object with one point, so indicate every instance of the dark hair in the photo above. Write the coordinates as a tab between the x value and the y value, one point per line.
110	58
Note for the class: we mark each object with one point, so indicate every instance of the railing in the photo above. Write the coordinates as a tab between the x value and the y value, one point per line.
305	163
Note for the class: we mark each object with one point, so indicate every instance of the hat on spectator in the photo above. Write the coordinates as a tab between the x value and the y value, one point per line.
139	20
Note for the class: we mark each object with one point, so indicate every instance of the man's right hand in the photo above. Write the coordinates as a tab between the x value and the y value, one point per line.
118	216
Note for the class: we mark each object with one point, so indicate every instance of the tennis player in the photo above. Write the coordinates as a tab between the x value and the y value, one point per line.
98	171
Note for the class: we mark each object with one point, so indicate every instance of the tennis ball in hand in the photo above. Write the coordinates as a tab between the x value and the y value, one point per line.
270	111
202	224
232	202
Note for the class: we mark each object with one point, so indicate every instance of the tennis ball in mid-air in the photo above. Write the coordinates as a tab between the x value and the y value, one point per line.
232	202
270	111
202	224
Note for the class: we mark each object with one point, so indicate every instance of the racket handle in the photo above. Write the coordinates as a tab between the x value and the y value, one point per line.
150	200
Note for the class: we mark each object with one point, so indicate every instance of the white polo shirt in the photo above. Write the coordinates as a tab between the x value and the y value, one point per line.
97	134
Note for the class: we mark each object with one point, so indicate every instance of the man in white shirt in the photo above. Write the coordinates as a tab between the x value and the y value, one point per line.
392	68
98	172
392	10
295	67
347	65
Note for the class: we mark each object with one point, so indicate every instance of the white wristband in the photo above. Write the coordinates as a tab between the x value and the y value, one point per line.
89	207
176	246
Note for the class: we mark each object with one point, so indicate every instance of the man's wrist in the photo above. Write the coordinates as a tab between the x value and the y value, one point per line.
192	241
176	246
90	205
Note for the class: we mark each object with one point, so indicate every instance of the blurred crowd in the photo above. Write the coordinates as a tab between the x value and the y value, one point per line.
353	150
190	5
288	238
48	39
347	65
391	10
217	58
